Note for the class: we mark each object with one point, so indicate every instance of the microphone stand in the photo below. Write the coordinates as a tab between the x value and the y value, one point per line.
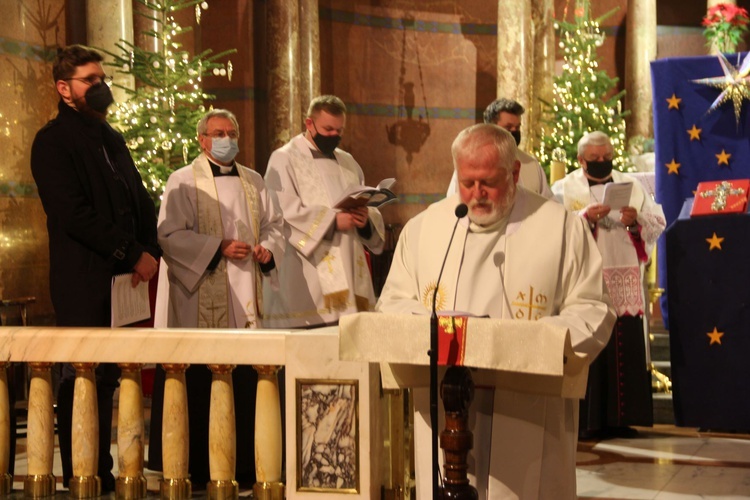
461	211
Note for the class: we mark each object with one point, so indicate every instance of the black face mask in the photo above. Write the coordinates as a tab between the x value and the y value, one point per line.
99	97
517	136
599	169
326	143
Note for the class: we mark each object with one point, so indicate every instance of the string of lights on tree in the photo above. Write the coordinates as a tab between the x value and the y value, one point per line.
158	118
580	104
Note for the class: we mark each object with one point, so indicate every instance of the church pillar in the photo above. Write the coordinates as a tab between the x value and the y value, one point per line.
174	435
85	434
543	19
284	116
40	430
6	480
131	483
309	45
640	51
515	50
110	21
268	435
222	443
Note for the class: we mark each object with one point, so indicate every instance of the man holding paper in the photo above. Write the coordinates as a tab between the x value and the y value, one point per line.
100	220
518	256
324	274
625	222
222	233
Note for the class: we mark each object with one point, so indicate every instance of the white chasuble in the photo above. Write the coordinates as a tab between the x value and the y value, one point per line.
538	265
324	274
198	211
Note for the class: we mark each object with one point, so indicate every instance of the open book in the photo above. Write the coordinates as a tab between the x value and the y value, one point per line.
360	196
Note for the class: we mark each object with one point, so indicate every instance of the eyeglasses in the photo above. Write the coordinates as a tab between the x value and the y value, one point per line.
220	134
94	80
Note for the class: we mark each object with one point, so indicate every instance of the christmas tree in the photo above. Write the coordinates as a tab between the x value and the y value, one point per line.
580	92
159	117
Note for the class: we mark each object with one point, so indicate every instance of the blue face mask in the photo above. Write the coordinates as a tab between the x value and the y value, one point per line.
224	149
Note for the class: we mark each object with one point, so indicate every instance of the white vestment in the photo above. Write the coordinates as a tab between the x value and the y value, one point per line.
324	274
540	264
623	269
188	252
531	176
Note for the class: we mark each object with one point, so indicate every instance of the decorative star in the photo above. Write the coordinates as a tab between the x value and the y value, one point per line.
734	85
673	167
715	336
695	133
714	242
723	157
674	102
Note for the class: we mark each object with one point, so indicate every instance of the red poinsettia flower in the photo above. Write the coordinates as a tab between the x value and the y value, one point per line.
725	24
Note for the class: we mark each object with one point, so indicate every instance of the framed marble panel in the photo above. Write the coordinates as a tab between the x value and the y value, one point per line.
328	435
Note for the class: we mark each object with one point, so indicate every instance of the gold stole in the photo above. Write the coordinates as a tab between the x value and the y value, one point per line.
213	295
327	257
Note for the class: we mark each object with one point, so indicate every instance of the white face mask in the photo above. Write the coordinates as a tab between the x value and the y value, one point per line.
224	149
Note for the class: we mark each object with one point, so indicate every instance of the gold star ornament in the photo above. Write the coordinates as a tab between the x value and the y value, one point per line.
695	133
674	102
734	85
723	157
673	167
715	337
714	242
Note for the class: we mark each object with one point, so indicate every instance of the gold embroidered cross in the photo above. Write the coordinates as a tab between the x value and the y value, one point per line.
328	258
536	302
213	322
721	192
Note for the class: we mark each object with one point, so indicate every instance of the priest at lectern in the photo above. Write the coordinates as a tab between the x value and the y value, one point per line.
518	256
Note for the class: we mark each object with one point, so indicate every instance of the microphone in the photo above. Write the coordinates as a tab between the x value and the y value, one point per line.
460	212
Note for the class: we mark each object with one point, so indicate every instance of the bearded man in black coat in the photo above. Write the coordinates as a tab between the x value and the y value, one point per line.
100	220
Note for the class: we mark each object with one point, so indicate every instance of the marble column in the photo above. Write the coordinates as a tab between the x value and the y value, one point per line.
222	435
640	51
309	45
268	436
515	49
711	3
6	480
39	481
108	22
131	483
284	116
85	434
174	435
543	20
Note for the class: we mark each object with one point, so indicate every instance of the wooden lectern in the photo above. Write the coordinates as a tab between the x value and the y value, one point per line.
523	356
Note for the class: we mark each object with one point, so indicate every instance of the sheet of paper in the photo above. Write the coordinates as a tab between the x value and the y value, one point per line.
129	305
244	233
617	195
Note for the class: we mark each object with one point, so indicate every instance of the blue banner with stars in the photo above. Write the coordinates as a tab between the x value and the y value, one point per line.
701	131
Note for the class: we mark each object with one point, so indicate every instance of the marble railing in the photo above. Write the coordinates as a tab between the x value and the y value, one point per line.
332	424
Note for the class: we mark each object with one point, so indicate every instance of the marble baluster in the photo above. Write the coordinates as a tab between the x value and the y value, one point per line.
107	24
6	480
85	434
175	483
515	63
40	482
711	3
543	22
222	435
639	52
309	46
284	115
131	483
268	436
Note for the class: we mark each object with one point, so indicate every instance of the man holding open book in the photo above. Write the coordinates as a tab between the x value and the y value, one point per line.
324	274
625	222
